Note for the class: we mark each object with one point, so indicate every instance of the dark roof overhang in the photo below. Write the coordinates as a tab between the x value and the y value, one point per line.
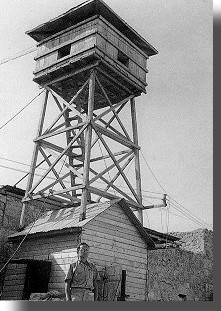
144	234
87	10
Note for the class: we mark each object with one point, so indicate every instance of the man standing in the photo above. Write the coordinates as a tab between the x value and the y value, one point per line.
81	279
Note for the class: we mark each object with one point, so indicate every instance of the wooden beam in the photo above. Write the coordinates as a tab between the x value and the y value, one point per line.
113	108
154	206
65	130
114	112
119	139
110	127
104	194
88	137
52	193
49	164
108	156
69	166
67	105
123	168
57	160
117	165
114	80
70	75
110	184
34	156
137	158
55	182
109	168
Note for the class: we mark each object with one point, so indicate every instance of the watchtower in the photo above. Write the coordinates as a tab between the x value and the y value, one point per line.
92	65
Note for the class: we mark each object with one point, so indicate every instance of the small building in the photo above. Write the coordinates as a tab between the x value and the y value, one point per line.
138	263
116	237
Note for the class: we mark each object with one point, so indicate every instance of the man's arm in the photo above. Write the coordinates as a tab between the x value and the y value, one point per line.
67	288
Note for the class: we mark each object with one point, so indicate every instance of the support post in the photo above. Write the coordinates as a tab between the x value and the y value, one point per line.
70	157
137	158
34	157
87	153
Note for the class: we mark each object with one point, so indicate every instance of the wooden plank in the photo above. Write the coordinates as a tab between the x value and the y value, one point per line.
110	258
113	108
118	248
115	137
132	56
137	158
119	232
110	167
104	194
115	81
110	184
34	157
110	127
57	160
65	130
117	165
121	71
55	182
123	168
109	26
53	170
114	112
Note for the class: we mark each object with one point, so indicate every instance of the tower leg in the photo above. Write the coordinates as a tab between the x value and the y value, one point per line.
34	158
137	158
88	137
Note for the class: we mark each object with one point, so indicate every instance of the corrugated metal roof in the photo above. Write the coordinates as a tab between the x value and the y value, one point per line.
63	218
66	220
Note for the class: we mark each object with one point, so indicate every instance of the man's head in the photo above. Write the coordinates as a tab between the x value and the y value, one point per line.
83	251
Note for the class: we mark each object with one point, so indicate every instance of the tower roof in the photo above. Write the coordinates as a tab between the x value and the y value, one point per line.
84	11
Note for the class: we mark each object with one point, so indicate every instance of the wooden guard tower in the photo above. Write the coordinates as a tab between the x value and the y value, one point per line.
91	65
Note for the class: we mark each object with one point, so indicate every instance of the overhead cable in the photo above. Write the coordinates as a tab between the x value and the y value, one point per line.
21	110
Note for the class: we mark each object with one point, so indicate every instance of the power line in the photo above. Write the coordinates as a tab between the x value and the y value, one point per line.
41	209
21	171
153	173
20	54
197	219
21	110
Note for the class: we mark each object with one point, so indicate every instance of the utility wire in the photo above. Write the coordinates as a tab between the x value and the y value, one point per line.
119	186
21	110
18	55
41	209
197	219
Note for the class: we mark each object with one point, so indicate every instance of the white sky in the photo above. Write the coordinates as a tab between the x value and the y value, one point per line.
174	117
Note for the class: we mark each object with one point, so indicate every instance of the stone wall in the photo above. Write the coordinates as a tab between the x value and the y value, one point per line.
186	271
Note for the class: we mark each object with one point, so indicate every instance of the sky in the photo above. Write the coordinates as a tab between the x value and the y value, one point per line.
174	117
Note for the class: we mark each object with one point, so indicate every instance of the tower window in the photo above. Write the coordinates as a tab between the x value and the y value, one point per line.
64	51
123	58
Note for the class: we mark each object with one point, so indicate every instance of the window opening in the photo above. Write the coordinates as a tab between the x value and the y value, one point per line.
123	58
64	51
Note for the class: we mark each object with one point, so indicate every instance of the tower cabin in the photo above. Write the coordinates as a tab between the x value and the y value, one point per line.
87	36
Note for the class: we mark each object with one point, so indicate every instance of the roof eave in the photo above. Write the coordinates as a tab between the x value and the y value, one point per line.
95	7
150	243
45	234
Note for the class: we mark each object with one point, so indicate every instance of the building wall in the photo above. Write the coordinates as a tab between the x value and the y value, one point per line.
187	270
115	241
60	250
10	212
14	282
